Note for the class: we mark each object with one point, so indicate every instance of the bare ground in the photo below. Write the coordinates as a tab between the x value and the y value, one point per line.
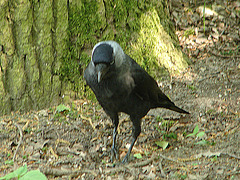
76	143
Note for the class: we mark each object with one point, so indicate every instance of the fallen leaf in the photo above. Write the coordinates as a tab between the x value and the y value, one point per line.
162	144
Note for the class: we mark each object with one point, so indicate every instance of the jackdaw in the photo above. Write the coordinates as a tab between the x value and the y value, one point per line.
121	85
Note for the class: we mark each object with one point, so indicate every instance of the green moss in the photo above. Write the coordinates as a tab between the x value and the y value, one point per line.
188	32
6	36
154	49
86	22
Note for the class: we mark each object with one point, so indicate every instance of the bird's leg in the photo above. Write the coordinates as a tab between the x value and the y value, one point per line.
135	133
125	159
114	150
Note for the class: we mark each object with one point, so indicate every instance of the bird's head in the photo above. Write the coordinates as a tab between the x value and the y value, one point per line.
105	55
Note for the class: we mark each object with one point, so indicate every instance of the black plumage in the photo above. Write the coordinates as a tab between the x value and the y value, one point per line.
121	85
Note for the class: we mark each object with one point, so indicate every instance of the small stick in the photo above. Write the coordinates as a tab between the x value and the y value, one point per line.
161	169
231	155
20	140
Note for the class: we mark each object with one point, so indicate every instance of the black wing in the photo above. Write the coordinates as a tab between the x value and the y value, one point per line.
147	89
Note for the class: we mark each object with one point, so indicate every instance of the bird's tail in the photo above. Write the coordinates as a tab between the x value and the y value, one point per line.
177	109
165	102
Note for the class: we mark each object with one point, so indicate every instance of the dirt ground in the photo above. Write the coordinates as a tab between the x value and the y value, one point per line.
75	143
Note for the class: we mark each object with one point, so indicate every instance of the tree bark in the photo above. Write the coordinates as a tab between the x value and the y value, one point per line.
45	45
32	41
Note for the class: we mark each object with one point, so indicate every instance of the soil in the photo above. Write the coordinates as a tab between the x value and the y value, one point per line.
74	141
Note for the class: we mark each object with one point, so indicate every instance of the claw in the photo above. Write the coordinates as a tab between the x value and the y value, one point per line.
114	154
125	159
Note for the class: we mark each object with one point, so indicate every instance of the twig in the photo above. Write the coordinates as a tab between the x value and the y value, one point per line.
223	56
116	169
131	166
231	155
170	159
144	163
140	164
161	169
222	32
88	119
53	153
64	172
19	142
210	76
218	153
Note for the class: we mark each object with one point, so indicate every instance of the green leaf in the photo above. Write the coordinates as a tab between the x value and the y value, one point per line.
191	134
35	174
62	107
104	162
204	142
200	134
146	153
162	144
211	143
214	158
196	129
10	162
171	135
16	174
138	156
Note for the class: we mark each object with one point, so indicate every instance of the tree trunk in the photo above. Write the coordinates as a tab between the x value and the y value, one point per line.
45	45
32	42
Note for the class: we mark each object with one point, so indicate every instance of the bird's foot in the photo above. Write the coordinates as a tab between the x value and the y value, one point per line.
125	159
114	154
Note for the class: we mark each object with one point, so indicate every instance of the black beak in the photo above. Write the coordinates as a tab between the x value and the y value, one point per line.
102	69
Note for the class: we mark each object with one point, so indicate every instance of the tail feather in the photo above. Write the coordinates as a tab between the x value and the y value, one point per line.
165	102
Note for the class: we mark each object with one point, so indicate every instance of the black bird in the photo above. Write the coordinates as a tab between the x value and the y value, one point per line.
121	85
